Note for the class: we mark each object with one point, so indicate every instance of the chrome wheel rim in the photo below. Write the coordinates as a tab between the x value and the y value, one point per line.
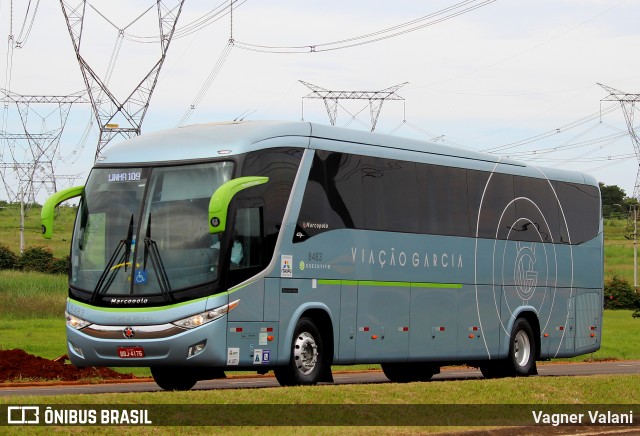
522	348
305	353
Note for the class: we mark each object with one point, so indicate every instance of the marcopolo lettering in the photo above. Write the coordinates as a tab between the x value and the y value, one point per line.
129	300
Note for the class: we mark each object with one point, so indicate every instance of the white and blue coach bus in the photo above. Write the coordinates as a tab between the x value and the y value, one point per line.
296	246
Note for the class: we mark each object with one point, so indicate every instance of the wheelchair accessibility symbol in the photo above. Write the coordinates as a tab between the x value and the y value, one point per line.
141	277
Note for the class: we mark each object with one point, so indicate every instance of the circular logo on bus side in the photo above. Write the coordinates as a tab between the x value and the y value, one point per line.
525	274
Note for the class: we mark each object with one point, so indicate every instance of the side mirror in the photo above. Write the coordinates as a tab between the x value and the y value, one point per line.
220	200
46	215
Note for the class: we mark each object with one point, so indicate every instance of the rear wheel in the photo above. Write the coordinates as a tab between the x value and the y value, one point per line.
522	349
307	359
409	372
521	361
172	378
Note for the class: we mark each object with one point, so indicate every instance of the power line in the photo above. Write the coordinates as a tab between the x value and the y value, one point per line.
549	133
391	32
25	31
207	83
571	146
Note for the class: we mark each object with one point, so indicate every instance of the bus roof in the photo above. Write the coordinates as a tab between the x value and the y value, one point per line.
214	140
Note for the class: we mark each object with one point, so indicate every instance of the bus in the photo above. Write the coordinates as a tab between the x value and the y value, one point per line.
294	246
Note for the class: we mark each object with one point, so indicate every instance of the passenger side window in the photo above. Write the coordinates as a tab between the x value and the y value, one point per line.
246	244
580	206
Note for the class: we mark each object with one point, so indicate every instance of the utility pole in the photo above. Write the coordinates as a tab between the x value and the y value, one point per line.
635	245
21	220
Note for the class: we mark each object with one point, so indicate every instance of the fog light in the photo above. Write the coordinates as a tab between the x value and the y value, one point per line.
196	349
76	350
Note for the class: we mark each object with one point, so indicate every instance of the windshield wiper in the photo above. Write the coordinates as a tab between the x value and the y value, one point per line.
151	250
111	270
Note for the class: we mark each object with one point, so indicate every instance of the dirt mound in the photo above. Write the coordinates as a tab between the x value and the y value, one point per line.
17	365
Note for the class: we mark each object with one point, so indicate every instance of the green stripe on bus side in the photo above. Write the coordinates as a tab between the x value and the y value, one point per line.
237	288
395	284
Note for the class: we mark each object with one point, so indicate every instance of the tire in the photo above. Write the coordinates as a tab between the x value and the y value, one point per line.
409	372
495	369
307	360
173	379
521	361
522	350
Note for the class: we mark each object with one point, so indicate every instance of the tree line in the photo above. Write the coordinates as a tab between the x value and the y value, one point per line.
615	202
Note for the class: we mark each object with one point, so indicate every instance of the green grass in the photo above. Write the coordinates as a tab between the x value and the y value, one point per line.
619	389
10	229
32	295
34	321
618	249
40	337
620	340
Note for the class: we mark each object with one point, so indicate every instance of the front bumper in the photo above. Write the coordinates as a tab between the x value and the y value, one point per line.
161	344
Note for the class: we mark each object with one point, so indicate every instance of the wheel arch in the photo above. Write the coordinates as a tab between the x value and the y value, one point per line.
530	315
321	316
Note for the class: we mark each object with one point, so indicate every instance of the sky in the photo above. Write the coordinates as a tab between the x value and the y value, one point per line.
519	78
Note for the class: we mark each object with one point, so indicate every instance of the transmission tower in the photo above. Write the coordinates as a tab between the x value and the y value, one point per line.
375	98
115	117
628	102
27	159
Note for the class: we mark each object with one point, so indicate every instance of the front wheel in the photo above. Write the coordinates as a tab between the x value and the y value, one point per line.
307	359
173	379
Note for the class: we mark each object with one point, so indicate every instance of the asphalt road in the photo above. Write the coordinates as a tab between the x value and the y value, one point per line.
347	377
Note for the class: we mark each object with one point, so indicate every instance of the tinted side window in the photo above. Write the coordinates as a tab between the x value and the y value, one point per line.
497	213
359	192
323	207
390	192
281	166
476	182
581	208
442	196
536	211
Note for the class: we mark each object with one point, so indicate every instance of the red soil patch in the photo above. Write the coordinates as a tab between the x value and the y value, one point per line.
16	365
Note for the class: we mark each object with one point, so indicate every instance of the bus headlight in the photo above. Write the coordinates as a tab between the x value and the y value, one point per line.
205	317
75	322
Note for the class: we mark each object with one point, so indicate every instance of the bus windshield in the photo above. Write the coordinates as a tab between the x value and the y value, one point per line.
144	231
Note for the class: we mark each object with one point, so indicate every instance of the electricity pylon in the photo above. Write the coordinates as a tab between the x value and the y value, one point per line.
31	156
628	102
375	98
114	117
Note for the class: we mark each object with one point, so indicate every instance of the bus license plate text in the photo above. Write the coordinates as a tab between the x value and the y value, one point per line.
130	352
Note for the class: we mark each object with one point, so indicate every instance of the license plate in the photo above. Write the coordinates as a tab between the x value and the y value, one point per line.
130	352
